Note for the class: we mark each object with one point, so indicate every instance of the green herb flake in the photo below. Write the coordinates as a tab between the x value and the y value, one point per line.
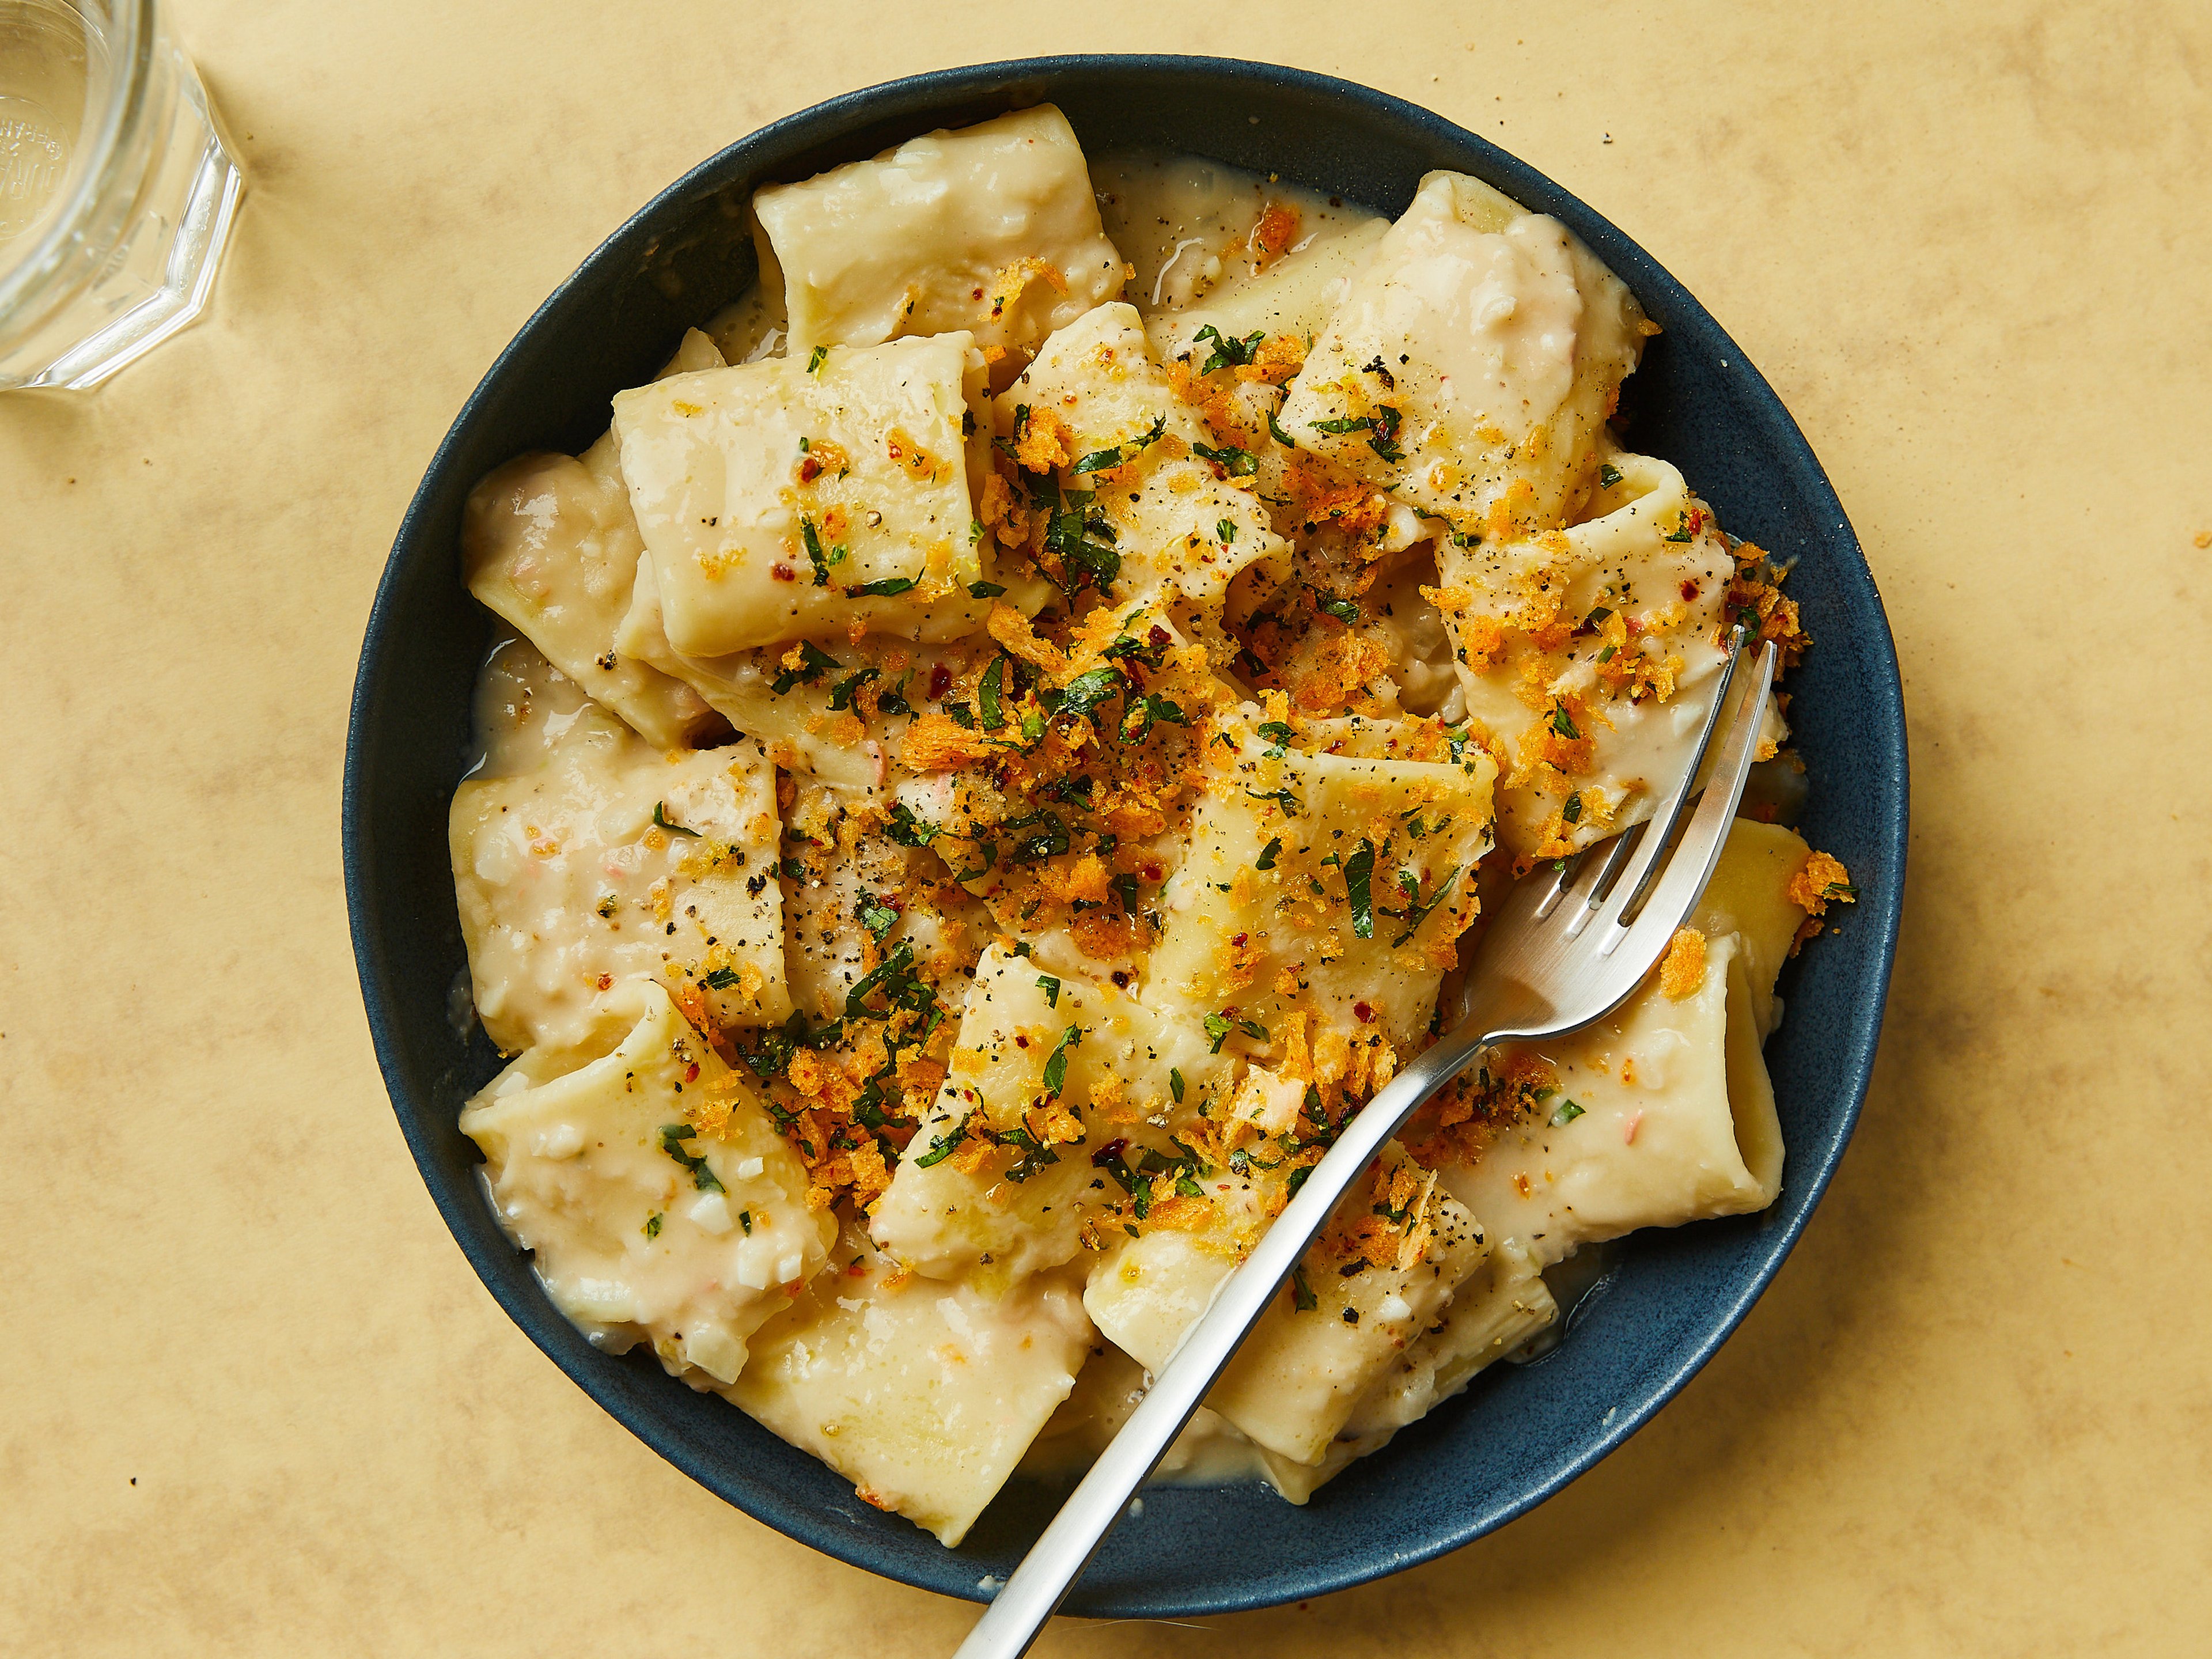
720	980
1609	475
877	918
1050	987
1266	859
987	695
1174	1082
883	590
1358	873
985	590
1570	810
1105	460
1302	1299
1564	723
941	1146
1566	1114
1275	431
1237	463
660	821
1055	1065
672	1137
653	1225
812	660
1218	1027
1227	353
814	359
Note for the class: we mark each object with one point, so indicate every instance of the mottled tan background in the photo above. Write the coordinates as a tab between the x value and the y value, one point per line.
1971	246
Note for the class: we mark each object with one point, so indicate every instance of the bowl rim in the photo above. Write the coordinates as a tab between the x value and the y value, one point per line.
1873	649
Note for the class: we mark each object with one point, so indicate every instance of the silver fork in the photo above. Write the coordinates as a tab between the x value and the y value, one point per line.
1559	955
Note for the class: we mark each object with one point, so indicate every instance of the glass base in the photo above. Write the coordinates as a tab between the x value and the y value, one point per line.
178	277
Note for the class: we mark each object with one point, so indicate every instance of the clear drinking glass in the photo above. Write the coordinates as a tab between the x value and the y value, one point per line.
117	191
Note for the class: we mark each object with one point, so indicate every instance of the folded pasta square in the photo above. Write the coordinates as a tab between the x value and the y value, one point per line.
659	1199
1323	1344
1472	364
1054	1079
1323	885
1659	1114
1129	496
614	861
992	229
925	1394
798	497
548	543
1618	624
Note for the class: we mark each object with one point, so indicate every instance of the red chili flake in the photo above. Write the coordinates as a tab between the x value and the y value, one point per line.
1121	978
976	294
782	573
691	1072
940	681
1158	636
1364	1013
809	470
606	982
1689	590
1153	872
1112	1150
855	1271
1240	938
1020	1041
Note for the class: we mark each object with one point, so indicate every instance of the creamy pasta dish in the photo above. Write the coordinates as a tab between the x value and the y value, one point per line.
1004	746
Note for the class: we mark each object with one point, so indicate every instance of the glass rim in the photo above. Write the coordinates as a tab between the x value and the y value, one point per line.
46	265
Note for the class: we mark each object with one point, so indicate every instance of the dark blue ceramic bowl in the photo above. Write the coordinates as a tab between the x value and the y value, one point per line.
1520	1433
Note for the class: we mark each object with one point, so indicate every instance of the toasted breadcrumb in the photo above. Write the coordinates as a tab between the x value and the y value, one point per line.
1682	970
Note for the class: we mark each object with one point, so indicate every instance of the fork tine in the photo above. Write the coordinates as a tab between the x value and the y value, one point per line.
1682	884
1650	853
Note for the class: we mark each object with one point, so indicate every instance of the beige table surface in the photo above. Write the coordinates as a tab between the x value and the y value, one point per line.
251	1398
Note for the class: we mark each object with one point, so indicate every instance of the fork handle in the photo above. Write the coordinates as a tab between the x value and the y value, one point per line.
1018	1614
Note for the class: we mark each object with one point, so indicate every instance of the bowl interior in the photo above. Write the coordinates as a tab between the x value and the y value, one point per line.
1521	1432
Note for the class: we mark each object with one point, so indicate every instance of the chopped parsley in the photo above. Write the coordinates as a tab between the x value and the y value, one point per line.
672	1137
814	359
813	660
941	1146
1055	1065
1237	463
1227	353
720	980
877	917
1358	874
1275	431
660	821
1050	987
987	694
907	830
1266	859
878	590
985	590
1566	1114
653	1225
1105	460
1609	475
1174	1082
840	694
1302	1295
1563	722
